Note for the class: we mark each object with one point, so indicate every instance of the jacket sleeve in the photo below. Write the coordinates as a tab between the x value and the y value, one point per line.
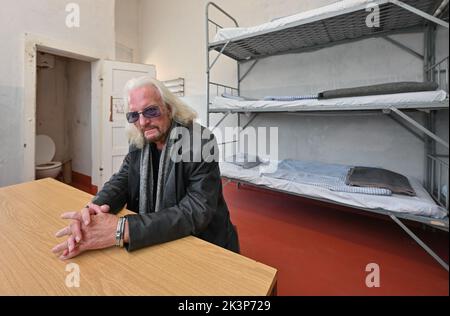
190	216
114	192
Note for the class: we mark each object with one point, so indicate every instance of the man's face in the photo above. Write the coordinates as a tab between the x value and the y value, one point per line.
154	129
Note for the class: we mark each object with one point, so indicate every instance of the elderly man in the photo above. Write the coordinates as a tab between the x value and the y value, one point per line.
172	198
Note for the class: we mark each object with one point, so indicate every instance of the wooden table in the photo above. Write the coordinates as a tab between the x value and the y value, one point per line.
30	216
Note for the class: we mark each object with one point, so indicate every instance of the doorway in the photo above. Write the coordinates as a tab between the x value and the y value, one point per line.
63	113
62	100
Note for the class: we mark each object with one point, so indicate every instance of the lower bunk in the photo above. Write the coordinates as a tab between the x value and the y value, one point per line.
325	182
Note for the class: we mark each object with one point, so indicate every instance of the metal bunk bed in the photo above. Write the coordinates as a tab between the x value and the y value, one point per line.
343	26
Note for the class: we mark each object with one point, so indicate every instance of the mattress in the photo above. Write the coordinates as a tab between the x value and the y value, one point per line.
337	8
413	100
421	205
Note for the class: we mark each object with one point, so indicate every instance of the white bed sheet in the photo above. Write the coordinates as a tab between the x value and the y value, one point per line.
421	204
401	100
307	16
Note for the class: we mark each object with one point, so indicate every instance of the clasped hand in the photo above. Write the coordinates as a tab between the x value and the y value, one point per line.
91	228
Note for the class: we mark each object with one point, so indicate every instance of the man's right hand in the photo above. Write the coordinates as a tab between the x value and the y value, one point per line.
84	215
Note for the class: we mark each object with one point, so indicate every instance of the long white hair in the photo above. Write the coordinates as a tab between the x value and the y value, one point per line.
181	112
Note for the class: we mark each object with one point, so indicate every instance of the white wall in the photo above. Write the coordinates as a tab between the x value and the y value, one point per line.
359	63
127	26
45	18
173	38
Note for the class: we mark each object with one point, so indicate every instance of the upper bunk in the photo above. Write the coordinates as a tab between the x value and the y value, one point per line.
340	22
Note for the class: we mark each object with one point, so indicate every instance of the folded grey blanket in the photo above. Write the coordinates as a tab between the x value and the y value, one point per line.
385	88
379	178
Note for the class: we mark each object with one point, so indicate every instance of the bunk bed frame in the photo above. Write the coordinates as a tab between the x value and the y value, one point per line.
408	16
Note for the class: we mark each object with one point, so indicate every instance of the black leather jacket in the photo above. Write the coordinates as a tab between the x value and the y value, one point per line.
193	204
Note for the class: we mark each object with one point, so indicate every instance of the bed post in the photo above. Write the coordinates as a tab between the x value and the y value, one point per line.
207	62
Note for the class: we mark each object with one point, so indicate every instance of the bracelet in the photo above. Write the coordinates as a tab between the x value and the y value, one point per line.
118	231
122	231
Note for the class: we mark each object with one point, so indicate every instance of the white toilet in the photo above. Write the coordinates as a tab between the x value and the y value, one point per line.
45	151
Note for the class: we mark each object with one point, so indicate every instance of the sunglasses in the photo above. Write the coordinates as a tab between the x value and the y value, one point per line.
149	112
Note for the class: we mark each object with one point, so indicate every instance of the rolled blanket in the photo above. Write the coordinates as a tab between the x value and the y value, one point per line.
290	98
385	88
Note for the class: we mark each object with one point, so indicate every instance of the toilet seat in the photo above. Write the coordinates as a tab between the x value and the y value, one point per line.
49	165
45	151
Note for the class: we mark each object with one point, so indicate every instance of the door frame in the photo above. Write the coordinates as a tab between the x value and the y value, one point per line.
33	44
